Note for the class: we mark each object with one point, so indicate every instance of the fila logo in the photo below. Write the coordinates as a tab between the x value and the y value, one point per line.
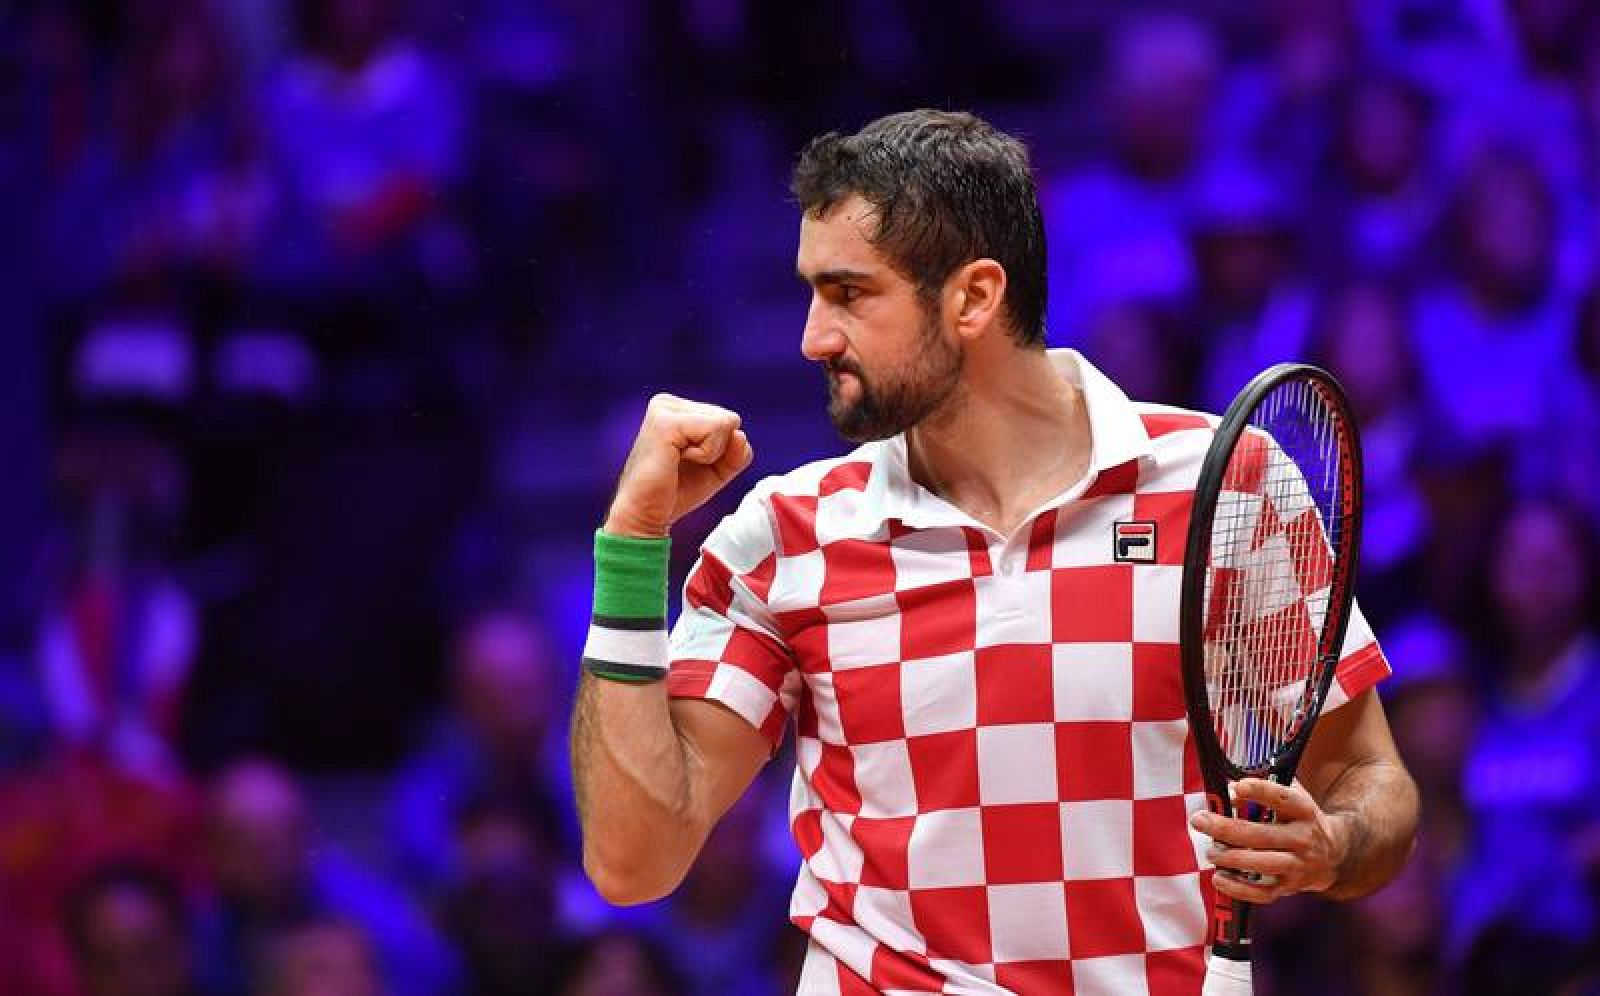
1134	542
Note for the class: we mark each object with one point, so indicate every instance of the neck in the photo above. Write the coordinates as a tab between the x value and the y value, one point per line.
1017	436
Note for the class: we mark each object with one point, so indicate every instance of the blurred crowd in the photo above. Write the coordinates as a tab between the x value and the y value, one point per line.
328	322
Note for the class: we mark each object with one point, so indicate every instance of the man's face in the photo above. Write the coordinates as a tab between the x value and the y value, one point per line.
889	360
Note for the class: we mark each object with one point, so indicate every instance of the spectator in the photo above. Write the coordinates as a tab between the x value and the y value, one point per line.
1493	334
617	963
128	928
501	909
724	921
1116	226
1249	309
116	643
125	214
1399	929
268	874
1281	107
1361	336
368	133
1530	781
1379	203
1435	716
1567	461
491	744
318	957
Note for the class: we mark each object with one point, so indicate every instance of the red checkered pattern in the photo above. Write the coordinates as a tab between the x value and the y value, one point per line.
994	772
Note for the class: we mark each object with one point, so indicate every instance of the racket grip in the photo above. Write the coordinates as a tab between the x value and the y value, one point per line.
1227	977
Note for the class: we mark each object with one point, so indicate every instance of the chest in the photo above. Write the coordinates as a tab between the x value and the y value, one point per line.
1073	617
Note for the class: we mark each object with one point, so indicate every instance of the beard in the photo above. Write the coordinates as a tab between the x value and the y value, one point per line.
895	400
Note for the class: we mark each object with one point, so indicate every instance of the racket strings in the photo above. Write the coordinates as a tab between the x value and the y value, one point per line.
1268	584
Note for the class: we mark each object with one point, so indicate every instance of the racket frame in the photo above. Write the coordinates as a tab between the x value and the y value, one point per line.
1231	917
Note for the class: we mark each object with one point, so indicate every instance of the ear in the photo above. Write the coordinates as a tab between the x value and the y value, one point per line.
975	297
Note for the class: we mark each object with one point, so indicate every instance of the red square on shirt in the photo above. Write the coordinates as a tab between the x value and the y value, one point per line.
945	767
1179	971
938	619
884	846
869	703
1157	682
1094	760
1092	604
1014	684
1022	843
855	569
834	780
1035	976
904	970
1169	510
1103	918
958	917
1161	842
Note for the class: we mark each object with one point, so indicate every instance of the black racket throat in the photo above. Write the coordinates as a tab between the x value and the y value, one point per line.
1254	685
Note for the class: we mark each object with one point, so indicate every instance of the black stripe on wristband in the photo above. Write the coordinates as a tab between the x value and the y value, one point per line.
636	674
637	624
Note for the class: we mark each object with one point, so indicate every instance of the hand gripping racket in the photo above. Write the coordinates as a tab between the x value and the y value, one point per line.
1268	575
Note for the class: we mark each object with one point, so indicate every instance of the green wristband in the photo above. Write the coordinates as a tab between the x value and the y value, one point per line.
630	577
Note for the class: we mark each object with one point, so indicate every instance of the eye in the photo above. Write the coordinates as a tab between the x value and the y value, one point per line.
849	292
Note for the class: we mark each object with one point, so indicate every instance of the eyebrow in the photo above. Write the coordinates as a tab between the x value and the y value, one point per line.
824	278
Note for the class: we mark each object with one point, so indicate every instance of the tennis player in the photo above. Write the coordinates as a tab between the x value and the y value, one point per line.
971	622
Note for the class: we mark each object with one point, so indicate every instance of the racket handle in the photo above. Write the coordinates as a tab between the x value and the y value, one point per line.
1227	977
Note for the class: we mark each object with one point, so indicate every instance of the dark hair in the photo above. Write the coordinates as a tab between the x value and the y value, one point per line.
948	188
126	874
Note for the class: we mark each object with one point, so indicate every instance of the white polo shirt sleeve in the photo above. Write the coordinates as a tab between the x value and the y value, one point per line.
725	645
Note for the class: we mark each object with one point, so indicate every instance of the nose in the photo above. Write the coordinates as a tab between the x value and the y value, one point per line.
821	339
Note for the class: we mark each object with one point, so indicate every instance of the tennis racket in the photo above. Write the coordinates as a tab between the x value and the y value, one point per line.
1268	575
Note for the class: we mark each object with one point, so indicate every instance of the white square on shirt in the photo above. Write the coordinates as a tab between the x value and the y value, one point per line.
1028	922
1113	974
809	897
840	858
1013	608
1270	583
1092	681
1097	839
1158	758
930	556
939	694
885	914
883	777
1172	910
797	581
1231	533
864	633
1157	590
836	516
946	849
1084	536
1017	763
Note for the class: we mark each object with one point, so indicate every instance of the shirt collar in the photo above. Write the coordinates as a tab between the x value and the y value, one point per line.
1116	433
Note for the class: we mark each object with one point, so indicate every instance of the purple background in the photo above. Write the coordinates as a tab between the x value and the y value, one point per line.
328	323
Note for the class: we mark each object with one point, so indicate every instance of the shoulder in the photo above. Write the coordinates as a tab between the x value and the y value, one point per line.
779	509
1179	438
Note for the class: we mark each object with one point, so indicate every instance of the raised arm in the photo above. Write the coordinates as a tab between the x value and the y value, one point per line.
652	776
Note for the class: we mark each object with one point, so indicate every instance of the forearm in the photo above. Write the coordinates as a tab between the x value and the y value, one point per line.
1375	805
636	805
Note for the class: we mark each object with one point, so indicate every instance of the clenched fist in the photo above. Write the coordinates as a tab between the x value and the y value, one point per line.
685	452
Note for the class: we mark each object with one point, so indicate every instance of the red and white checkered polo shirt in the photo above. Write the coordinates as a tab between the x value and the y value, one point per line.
994	771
